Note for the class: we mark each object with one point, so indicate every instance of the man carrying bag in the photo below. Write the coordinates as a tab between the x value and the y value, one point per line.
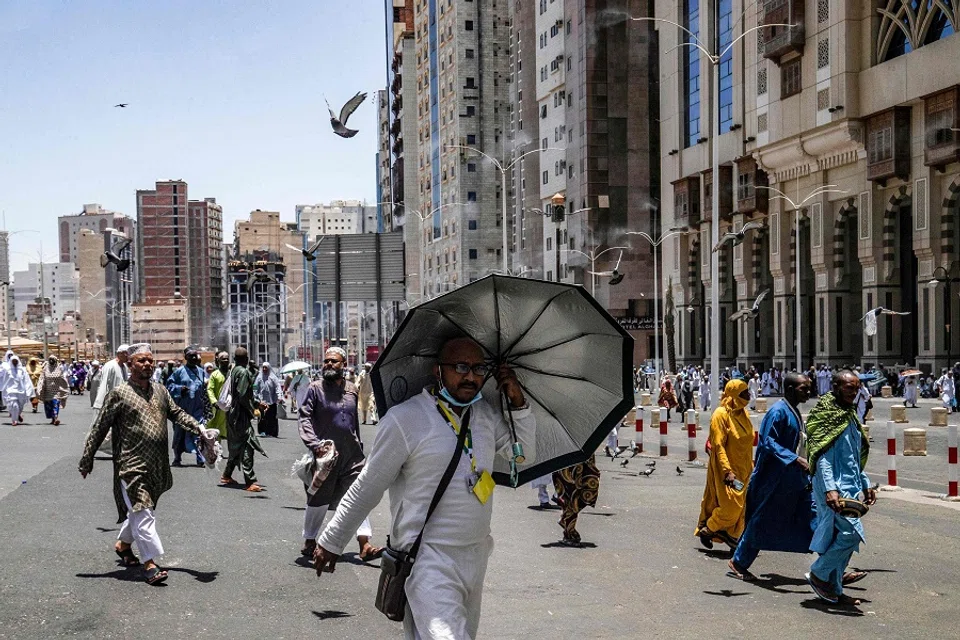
447	431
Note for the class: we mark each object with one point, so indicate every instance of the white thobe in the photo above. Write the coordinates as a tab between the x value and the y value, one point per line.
114	374
17	390
752	386
862	396
412	449
947	391
910	390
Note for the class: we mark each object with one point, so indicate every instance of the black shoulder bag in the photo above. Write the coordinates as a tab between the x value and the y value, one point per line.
396	565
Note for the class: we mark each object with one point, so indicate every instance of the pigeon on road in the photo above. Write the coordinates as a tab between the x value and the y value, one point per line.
679	471
648	472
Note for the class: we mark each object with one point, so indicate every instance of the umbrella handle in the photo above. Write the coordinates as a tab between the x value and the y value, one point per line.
518	456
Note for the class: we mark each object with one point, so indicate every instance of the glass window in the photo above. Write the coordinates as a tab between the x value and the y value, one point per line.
724	38
691	76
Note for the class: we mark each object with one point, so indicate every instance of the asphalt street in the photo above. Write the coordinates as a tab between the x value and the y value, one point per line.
235	570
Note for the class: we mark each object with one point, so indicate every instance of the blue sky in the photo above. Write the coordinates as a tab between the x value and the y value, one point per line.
227	95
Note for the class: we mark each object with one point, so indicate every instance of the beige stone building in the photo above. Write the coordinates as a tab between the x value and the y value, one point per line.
265	232
93	287
853	114
165	324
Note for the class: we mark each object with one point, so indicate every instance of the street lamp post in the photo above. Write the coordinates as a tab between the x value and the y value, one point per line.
948	303
654	247
714	59
503	186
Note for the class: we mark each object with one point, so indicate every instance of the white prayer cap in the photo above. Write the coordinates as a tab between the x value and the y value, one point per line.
95	363
124	348
337	350
143	347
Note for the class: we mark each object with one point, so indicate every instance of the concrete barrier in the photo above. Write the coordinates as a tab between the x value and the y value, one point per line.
631	418
761	405
938	417
898	413
645	400
886	391
869	416
914	442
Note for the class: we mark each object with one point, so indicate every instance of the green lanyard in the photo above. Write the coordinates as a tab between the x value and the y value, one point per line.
452	421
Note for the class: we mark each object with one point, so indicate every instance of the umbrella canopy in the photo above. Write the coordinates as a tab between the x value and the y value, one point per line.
911	372
572	359
293	367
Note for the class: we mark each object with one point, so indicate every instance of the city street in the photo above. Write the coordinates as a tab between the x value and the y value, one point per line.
235	570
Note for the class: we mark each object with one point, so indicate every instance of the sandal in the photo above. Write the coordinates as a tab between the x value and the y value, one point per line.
155	575
740	574
847	600
373	554
127	556
309	546
853	576
821	593
228	482
706	537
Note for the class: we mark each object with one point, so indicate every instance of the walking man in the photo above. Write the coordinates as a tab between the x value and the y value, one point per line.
779	515
93	380
837	449
329	412
365	389
186	387
137	413
214	386
414	444
266	391
241	437
114	374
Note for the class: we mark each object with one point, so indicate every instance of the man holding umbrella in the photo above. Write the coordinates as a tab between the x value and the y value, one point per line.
414	444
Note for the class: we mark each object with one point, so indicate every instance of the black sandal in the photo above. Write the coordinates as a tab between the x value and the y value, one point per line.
155	575
127	556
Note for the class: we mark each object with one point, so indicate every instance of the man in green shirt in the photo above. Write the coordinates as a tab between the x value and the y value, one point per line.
241	437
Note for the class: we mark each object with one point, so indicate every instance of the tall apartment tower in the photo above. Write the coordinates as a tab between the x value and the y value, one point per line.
585	95
6	300
179	242
845	97
95	218
462	78
403	129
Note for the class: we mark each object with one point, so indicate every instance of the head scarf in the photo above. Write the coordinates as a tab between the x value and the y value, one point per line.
826	422
337	350
735	405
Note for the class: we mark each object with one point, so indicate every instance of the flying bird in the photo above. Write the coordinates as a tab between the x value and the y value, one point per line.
648	472
113	255
737	236
615	276
870	318
340	124
753	311
679	471
311	253
258	275
122	105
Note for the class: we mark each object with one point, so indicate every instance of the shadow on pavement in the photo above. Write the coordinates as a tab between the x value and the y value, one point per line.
727	593
775	582
560	545
717	554
133	574
105	530
845	610
205	577
327	615
295	508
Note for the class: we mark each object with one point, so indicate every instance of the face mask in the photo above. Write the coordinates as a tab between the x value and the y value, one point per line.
451	400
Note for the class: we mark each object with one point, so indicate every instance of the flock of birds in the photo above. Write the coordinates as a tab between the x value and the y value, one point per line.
651	466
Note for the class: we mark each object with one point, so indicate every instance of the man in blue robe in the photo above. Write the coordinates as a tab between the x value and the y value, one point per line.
779	513
837	450
186	387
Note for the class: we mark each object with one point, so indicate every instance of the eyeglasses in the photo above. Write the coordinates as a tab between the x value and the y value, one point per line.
463	368
332	361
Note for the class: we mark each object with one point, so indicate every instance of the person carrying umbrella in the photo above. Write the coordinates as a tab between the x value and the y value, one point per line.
667	398
414	444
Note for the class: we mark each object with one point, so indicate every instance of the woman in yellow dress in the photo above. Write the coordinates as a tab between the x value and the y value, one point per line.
729	468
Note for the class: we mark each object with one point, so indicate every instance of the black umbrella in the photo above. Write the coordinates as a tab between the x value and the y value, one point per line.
573	360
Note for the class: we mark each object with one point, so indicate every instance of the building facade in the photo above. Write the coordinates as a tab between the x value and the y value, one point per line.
6	300
95	218
586	169
164	324
257	308
179	243
56	281
836	136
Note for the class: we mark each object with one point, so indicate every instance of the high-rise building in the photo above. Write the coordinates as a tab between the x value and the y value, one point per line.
105	293
384	199
402	144
95	218
842	115
257	307
461	71
179	243
264	232
164	324
56	281
337	218
585	96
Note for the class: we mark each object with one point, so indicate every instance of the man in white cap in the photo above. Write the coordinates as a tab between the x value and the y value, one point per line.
137	413
113	374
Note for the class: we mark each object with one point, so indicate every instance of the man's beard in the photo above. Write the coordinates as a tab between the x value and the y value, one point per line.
332	375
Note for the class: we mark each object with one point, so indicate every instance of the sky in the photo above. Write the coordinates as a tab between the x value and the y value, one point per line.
226	95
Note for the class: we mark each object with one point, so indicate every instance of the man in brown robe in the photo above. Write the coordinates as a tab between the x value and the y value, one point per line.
137	413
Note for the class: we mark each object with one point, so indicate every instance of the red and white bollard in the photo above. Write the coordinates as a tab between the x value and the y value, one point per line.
663	432
691	435
891	454
638	443
952	462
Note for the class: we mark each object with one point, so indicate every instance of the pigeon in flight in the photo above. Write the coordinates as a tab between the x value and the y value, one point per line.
737	236
311	253
122	105
753	311
615	276
258	275
870	318
113	255
340	124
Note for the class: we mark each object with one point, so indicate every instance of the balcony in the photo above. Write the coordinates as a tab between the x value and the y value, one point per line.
749	177
686	201
888	145
726	192
941	142
779	41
